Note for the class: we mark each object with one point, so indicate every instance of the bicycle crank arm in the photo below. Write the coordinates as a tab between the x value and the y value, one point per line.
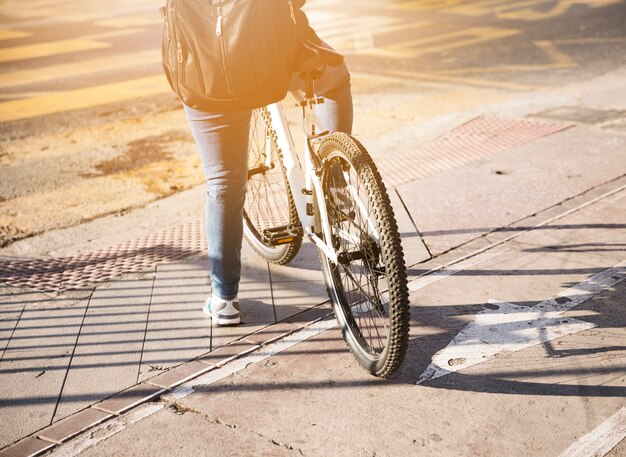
259	169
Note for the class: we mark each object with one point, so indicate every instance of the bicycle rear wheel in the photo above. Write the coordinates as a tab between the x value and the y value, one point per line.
368	285
271	224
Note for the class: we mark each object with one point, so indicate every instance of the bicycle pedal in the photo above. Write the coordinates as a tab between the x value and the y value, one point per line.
281	235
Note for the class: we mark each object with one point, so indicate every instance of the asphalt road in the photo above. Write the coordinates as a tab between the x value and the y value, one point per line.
88	126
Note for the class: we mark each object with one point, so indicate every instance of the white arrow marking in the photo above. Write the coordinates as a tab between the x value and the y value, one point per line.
510	327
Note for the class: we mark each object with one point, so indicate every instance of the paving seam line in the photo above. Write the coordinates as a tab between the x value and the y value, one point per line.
157	391
516	235
180	390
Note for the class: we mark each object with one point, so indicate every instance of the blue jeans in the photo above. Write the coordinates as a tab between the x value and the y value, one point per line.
222	141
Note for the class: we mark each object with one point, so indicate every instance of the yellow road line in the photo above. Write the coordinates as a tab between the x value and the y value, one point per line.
455	7
74	69
559	58
113	34
136	20
560	8
454	80
6	34
49	48
349	41
22	95
82	98
591	40
444	41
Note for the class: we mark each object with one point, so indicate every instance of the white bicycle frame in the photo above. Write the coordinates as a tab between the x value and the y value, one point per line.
304	180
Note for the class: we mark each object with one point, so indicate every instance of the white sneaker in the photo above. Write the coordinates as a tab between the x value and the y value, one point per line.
223	312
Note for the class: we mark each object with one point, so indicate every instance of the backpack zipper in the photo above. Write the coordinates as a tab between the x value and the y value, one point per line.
167	24
219	33
218	27
293	14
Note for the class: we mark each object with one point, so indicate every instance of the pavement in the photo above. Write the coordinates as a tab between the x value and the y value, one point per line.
498	215
511	201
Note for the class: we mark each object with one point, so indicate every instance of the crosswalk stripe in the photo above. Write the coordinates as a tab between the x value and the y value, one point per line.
137	20
6	34
21	95
50	48
69	100
73	69
444	41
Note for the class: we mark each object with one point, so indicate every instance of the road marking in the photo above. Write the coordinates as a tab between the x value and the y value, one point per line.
561	7
602	439
480	8
113	33
511	327
357	34
444	41
135	20
70	12
456	80
22	95
8	34
351	42
549	48
559	58
74	69
50	48
529	10
69	100
590	40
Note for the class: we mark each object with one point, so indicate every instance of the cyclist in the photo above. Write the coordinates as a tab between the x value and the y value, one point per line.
222	142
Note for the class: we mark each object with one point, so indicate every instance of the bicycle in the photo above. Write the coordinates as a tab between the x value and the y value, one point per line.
332	193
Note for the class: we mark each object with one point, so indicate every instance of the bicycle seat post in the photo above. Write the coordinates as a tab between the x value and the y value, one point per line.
310	100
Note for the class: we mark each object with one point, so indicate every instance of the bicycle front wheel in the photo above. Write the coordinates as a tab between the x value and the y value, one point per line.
270	220
368	285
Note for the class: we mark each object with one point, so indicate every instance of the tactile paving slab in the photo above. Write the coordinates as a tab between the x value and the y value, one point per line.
478	138
470	142
79	271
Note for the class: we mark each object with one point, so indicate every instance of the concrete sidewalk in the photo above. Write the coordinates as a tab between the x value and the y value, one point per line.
99	318
287	395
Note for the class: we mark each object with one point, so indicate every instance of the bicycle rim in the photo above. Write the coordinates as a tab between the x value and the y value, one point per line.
269	205
368	285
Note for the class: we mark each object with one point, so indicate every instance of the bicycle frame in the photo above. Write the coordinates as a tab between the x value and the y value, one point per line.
304	173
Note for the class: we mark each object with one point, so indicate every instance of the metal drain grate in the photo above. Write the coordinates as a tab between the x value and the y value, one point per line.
475	140
77	272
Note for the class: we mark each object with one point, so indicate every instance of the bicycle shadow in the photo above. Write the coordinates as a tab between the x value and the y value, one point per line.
553	368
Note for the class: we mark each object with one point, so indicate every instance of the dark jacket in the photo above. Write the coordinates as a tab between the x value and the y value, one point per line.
304	29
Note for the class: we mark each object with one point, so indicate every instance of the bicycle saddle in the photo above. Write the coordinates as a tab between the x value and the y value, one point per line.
311	56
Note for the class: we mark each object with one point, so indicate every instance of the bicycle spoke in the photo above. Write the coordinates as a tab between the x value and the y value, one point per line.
268	203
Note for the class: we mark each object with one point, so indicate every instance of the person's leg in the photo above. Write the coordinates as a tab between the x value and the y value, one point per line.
334	86
336	111
222	141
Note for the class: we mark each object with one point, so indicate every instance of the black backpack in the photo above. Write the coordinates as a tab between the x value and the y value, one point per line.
222	55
